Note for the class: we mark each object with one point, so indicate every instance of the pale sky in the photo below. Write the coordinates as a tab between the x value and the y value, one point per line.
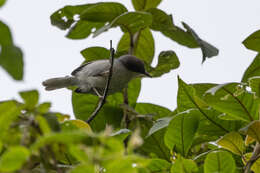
47	53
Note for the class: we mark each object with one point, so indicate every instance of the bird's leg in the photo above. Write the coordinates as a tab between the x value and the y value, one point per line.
97	93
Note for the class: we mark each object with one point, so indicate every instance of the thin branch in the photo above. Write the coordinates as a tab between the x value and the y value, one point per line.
242	105
103	98
253	159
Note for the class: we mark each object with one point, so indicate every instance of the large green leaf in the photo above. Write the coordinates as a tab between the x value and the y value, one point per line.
253	130
14	158
151	109
168	61
182	165
129	22
181	131
253	41
236	103
144	48
232	142
140	5
207	49
253	69
5	34
30	98
103	12
219	162
254	83
11	59
95	53
159	124
159	165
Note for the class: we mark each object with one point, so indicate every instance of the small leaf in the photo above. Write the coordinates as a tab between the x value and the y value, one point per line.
182	165
103	12
219	162
207	49
168	61
249	140
232	142
253	69
159	124
71	125
14	158
44	107
181	131
140	5
144	48
158	165
11	59
30	98
129	22
95	53
253	130
254	83
121	134
256	166
2	2
43	124
253	41
5	33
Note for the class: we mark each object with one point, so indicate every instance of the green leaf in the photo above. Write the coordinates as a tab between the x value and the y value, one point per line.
207	49
71	125
121	134
254	83
2	2
182	165
11	59
134	88
44	107
161	20
5	33
256	166
43	124
30	98
129	22
140	5
103	12
253	41
168	61
14	158
232	142
181	131
95	53
9	112
159	124
235	102
252	130
144	46
159	165
219	162
82	29
83	169
253	69
151	109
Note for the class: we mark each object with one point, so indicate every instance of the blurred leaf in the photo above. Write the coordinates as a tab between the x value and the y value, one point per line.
253	41
161	21
182	165
44	107
121	134
236	104
14	158
181	131
253	130
71	125
207	49
256	166
140	5
168	61
159	165
159	124
30	98
11	59
144	48
5	33
129	22
1	147
103	12
2	2
134	88
78	152
219	162
249	140
253	69
254	83
83	169
43	124
95	53
82	29
53	122
9	112
232	142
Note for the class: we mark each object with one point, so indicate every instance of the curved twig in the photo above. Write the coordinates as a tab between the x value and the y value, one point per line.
103	98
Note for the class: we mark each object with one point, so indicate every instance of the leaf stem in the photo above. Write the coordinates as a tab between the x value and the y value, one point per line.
253	159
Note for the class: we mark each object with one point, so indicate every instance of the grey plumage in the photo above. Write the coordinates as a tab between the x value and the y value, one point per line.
93	75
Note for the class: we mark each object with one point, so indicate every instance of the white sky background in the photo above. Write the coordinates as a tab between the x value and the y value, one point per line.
47	53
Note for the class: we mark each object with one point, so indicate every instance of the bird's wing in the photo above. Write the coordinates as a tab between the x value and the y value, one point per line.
74	72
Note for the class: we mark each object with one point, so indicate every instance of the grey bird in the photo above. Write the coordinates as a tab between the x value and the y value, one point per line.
92	76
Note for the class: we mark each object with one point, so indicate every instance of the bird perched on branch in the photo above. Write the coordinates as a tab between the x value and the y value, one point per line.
92	76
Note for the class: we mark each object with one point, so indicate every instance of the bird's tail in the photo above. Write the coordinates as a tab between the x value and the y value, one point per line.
60	82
